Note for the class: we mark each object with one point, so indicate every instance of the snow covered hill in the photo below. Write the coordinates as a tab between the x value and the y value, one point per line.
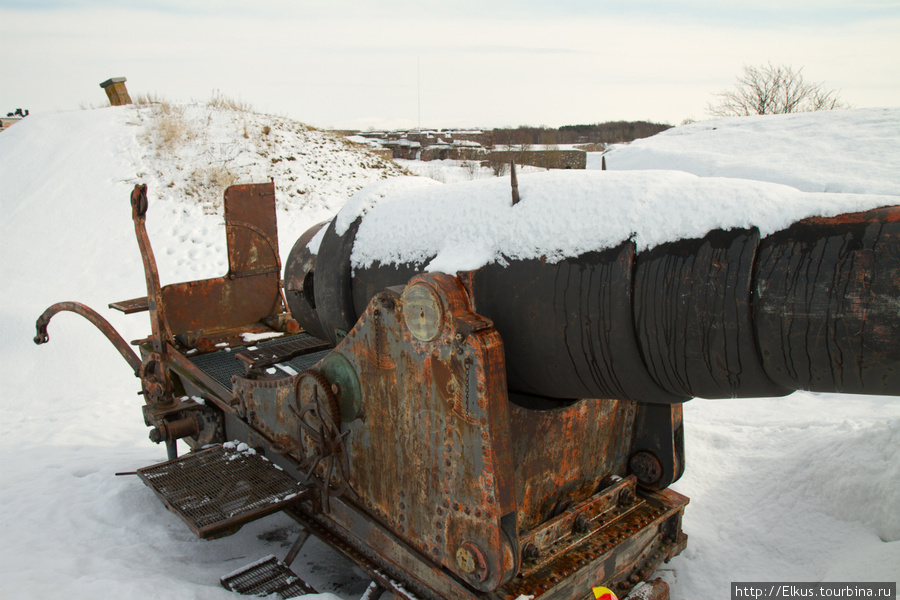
800	488
855	151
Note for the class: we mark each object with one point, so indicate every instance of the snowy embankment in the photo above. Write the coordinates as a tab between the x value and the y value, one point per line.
69	416
850	151
800	488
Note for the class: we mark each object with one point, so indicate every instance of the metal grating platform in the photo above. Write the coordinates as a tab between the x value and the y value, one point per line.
222	365
215	491
266	576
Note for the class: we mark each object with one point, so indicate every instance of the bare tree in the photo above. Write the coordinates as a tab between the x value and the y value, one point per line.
773	90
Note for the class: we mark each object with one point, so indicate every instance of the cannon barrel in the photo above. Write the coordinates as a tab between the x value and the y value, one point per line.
733	314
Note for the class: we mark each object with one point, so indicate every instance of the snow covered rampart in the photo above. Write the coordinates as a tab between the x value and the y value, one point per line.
850	151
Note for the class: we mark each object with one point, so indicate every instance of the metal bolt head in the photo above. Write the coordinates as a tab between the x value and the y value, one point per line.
581	524
470	560
646	467
531	551
465	560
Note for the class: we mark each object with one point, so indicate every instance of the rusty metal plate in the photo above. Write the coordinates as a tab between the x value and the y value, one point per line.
218	490
250	292
132	306
432	460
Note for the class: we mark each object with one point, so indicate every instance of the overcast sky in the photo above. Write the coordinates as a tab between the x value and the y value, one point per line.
448	63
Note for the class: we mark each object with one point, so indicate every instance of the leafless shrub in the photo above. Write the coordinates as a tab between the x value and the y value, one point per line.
472	167
497	164
773	90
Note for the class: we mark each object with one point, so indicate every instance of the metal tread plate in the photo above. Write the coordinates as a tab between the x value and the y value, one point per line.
266	576
222	365
132	306
269	355
217	490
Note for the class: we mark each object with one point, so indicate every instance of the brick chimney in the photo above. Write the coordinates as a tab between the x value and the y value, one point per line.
115	90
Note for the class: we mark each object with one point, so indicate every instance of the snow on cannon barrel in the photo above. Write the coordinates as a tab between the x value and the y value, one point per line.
674	288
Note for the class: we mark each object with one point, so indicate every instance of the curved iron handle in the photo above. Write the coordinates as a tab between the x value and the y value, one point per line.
42	337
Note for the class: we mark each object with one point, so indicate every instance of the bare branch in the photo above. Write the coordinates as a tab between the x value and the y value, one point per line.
773	89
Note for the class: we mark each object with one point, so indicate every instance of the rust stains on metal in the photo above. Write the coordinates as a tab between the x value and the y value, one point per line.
250	291
440	420
555	470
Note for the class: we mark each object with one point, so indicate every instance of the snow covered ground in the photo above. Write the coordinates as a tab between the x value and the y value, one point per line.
801	488
855	151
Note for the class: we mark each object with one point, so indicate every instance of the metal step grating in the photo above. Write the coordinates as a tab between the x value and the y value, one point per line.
222	365
217	490
266	576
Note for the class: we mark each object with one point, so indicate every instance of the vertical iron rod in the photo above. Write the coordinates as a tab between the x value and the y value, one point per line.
172	449
515	182
295	549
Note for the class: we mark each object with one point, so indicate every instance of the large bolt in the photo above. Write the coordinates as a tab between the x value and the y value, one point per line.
581	524
531	552
470	560
646	468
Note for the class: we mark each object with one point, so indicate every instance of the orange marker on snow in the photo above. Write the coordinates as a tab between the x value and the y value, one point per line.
602	593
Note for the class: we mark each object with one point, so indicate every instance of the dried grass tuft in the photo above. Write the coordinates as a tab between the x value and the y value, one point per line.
220	100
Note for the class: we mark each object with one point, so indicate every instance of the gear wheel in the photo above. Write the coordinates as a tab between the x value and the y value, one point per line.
312	386
319	416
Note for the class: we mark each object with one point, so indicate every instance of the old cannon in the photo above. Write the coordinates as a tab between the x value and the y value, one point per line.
505	430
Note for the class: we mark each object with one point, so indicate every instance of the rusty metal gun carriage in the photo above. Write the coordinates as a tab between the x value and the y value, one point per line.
503	431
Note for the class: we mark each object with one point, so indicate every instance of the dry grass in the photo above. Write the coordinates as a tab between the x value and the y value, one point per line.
169	130
148	98
208	184
220	100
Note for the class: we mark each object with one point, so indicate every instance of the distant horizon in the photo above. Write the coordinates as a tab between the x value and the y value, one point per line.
489	128
356	65
424	129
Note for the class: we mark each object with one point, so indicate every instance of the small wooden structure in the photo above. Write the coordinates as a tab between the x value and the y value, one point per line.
116	92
